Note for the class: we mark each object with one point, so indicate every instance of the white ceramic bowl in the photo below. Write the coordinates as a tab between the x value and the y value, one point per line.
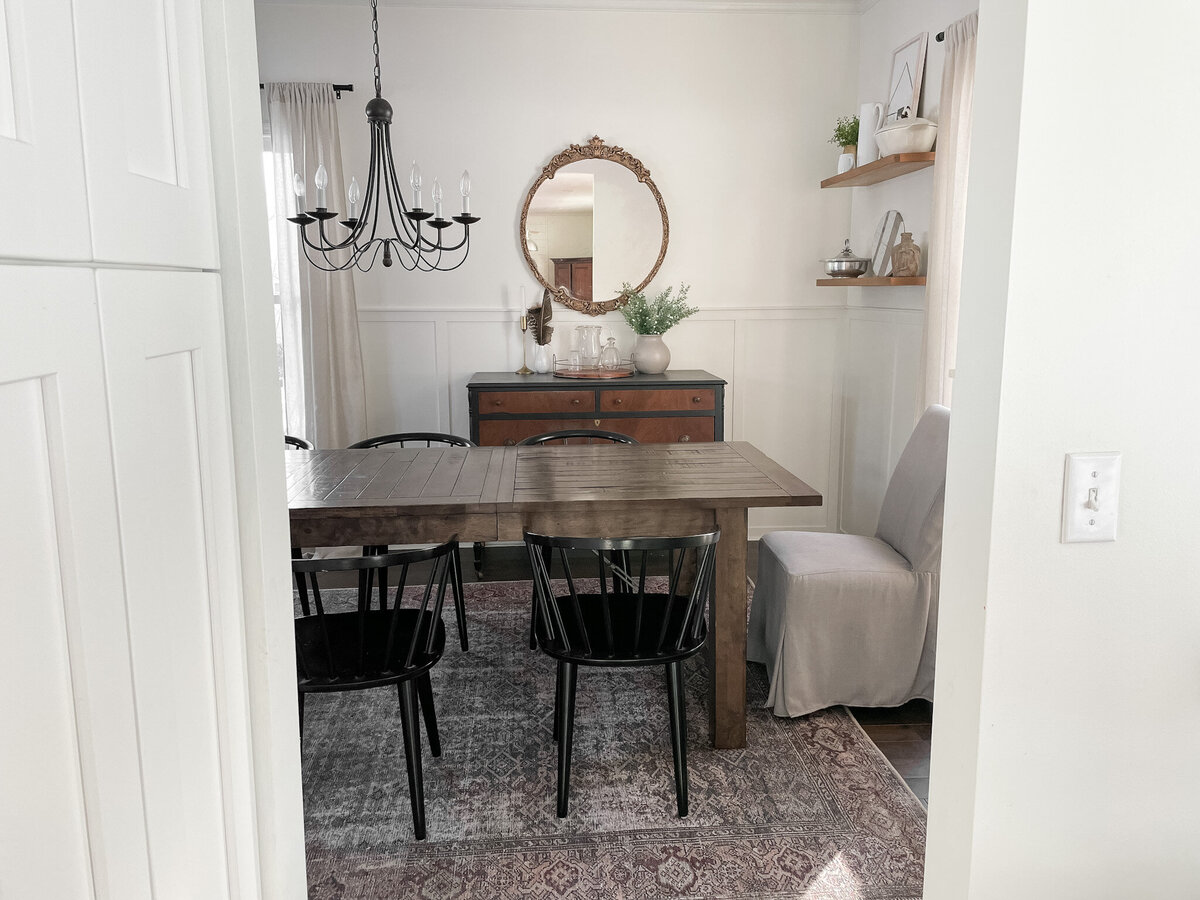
906	136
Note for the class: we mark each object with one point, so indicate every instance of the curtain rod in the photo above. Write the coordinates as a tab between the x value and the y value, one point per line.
337	88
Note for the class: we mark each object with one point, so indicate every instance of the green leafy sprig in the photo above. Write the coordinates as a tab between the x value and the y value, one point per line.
845	132
655	316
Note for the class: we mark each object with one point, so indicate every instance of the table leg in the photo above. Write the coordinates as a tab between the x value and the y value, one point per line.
727	633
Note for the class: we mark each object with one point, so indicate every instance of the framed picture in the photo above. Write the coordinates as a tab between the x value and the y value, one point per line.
904	86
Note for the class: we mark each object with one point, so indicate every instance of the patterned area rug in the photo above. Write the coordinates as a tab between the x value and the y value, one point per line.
809	809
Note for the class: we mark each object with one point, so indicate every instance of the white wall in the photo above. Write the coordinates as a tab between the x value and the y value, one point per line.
729	111
1068	690
883	358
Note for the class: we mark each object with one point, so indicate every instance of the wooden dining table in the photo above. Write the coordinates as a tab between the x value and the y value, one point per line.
394	495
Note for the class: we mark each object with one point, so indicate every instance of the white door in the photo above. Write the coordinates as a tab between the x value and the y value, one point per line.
127	765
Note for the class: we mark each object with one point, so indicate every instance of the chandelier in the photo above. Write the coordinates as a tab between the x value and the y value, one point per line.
400	237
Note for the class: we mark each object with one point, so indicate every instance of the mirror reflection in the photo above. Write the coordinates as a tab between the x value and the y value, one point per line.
593	220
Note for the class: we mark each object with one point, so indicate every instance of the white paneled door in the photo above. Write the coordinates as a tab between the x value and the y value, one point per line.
145	128
41	150
127	768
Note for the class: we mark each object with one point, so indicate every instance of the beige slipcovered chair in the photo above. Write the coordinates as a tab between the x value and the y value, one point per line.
846	618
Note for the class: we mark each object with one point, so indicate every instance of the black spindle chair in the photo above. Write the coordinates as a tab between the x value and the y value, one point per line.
578	435
297	443
361	648
428	438
623	624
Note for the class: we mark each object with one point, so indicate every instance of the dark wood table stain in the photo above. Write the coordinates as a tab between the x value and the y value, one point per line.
418	494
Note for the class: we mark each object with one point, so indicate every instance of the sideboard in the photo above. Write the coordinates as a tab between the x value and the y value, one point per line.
676	406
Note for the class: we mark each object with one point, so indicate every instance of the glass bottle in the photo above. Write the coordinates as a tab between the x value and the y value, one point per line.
610	356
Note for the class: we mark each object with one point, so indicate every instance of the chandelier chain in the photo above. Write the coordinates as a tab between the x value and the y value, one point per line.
375	43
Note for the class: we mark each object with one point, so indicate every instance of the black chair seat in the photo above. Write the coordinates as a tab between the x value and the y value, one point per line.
634	634
343	664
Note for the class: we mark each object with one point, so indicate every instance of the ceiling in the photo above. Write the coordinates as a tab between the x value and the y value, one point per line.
842	7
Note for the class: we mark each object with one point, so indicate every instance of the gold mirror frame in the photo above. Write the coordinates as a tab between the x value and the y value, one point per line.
594	149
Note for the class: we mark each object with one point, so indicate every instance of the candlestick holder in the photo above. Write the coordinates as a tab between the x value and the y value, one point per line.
524	370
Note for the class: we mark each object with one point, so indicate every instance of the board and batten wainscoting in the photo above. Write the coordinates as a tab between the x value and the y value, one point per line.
826	391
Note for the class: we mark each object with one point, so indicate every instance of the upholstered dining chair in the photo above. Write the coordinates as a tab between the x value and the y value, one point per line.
355	647
850	619
428	439
621	623
578	435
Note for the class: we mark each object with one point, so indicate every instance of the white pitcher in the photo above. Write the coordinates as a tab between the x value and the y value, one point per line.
870	117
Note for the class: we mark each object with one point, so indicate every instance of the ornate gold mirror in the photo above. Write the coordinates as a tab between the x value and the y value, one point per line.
593	220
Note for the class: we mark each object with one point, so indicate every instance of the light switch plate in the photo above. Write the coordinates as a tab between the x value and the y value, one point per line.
1091	485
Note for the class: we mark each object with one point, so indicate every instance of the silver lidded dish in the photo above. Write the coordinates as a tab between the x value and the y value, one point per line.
846	264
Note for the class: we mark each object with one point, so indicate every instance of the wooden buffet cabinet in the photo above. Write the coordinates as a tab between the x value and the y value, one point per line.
676	406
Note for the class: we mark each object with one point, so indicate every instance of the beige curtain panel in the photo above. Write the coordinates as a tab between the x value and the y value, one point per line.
949	212
324	393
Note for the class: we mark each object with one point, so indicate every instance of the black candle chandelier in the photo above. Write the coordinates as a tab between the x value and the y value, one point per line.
363	243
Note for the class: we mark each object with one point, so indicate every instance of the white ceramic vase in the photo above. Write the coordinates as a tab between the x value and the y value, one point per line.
650	355
541	360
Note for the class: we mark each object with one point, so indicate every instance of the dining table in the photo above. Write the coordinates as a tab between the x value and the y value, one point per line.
411	495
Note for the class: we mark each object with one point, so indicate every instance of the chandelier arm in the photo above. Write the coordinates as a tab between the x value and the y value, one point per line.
406	231
328	246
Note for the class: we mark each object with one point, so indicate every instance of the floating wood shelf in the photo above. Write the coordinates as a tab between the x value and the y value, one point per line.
863	281
881	170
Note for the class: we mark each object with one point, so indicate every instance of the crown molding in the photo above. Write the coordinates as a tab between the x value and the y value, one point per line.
819	7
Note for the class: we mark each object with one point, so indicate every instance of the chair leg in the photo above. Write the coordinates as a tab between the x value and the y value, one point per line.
675	699
301	705
460	606
566	716
557	692
425	696
412	755
478	559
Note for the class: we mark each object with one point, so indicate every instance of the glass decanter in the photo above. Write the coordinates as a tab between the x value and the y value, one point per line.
610	356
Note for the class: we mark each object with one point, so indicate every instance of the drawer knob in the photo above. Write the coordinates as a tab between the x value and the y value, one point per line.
683	438
497	402
575	402
617	401
697	400
509	442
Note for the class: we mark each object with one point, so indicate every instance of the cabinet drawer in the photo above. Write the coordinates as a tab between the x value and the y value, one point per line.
523	402
506	432
672	430
700	399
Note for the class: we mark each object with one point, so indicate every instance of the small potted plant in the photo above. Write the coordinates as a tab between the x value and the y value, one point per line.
649	319
845	135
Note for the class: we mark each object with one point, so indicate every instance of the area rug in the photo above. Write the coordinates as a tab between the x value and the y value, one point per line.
809	809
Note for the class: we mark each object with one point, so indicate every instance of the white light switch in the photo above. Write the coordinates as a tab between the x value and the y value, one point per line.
1090	488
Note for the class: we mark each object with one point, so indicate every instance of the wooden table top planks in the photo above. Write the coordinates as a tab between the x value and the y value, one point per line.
459	480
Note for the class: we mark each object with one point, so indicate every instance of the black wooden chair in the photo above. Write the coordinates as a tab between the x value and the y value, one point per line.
361	648
623	624
297	443
578	435
428	438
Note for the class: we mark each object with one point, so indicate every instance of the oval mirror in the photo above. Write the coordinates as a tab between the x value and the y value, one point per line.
593	220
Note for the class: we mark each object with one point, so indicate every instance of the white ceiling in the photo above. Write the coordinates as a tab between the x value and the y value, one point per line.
842	7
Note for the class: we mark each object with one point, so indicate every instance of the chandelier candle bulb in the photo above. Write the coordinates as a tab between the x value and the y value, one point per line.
353	195
414	178
436	193
321	180
464	187
299	190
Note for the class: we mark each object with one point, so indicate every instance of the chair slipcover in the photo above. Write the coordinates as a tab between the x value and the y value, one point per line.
850	619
